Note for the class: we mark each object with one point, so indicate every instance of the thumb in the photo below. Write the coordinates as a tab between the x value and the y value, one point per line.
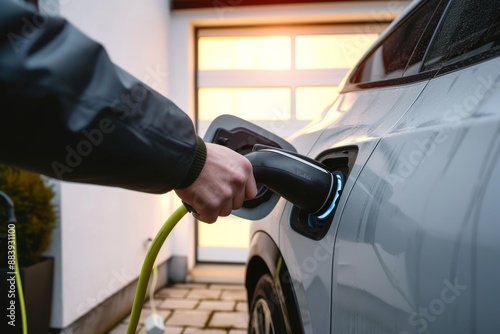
250	188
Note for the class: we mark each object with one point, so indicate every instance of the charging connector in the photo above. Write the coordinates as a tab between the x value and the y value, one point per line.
303	181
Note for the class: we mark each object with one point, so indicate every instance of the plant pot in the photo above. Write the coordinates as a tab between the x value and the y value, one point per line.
37	281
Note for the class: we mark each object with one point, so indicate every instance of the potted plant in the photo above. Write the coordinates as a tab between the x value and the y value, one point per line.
35	217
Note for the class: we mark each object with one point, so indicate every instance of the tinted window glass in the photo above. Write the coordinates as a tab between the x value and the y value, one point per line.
469	28
390	59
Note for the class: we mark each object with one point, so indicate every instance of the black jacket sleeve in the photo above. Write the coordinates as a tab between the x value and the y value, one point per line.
68	112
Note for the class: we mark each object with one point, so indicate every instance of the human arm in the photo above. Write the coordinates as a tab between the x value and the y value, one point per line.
67	111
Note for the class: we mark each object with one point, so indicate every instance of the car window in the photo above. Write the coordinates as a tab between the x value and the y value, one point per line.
391	57
468	29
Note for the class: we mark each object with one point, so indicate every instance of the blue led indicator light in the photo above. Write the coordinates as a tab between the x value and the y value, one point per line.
337	194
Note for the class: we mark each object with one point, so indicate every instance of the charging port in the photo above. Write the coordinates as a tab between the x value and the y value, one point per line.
339	160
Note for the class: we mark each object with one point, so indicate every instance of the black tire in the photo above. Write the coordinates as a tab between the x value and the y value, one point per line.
266	314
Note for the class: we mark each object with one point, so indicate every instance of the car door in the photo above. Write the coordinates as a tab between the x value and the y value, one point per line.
376	96
416	249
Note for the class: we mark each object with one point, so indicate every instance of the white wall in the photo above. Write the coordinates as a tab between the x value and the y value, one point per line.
99	244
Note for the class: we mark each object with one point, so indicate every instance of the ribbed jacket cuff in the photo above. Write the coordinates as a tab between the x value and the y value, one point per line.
200	156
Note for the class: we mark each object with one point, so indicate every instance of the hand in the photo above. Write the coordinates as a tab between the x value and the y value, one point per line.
225	182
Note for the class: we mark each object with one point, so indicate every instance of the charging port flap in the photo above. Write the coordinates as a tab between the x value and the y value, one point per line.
241	136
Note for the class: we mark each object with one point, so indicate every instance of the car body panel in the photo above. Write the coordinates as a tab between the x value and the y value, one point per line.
416	250
356	118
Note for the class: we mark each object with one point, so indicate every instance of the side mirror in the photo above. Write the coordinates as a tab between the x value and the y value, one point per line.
241	136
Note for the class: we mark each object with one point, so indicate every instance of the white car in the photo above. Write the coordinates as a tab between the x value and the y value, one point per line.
413	243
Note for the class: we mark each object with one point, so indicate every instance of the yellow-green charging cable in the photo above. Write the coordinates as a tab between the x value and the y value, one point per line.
147	266
12	252
20	293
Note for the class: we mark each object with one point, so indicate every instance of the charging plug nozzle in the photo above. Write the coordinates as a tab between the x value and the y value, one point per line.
305	182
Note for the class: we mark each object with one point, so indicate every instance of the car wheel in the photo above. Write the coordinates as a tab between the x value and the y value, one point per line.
266	314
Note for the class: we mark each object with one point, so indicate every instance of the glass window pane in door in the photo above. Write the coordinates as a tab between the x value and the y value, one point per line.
247	103
226	231
244	53
331	51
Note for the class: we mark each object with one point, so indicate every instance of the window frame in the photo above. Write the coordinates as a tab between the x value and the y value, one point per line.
408	77
452	66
